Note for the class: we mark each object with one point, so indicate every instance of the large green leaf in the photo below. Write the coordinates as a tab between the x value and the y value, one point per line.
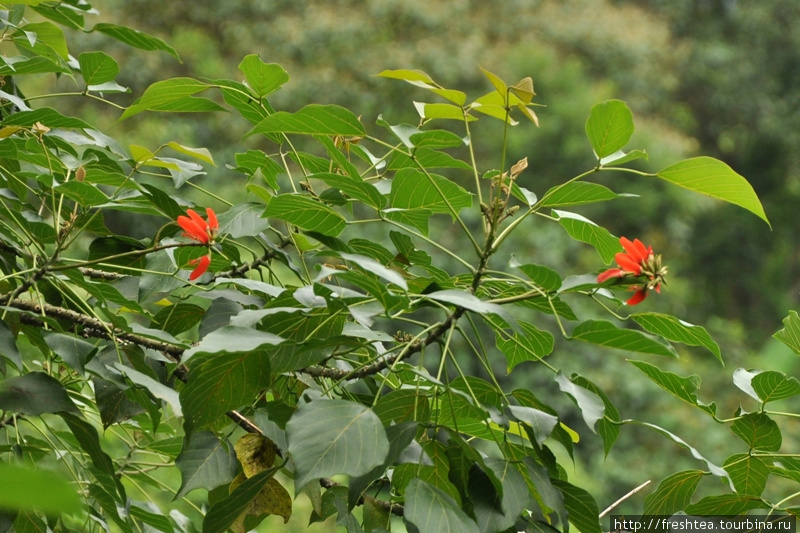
305	213
605	333
433	511
714	178
206	461
263	78
22	487
673	494
577	193
42	38
352	186
531	344
726	505
591	405
609	127
759	431
790	334
412	189
582	508
541	423
221	382
97	67
85	194
134	38
89	441
772	385
313	119
35	393
329	437
683	388
607	427
748	473
677	330
174	95
582	229
494	512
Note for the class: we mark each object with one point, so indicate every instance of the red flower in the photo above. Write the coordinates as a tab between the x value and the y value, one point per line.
637	261
201	265
198	229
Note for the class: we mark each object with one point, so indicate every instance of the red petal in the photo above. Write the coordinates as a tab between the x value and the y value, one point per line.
200	269
212	218
197	218
193	229
627	263
640	295
610	273
636	249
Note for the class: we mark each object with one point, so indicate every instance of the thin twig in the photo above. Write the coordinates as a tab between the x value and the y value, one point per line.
631	493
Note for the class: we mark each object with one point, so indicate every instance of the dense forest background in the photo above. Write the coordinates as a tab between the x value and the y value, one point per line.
717	77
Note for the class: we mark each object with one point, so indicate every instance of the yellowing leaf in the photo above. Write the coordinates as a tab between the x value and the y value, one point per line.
255	452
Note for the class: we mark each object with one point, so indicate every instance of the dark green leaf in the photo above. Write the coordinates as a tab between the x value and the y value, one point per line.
681	387
608	427
206	462
412	189
8	346
89	441
772	385
582	509
433	511
308	214
545	277
577	193
541	423
790	334
135	38
223	513
178	318
584	230
677	330
329	437
85	194
313	119
673	494
605	333
35	393
759	431
591	405
531	344
726	505
749	474
354	187
47	116
173	95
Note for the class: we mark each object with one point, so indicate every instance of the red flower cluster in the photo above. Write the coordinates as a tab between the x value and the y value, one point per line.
202	231
637	261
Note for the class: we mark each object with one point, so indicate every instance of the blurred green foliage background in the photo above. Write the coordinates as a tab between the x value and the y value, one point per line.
711	77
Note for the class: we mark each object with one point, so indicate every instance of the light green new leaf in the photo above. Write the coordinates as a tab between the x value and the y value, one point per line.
201	154
433	511
498	83
313	119
329	437
205	461
173	95
605	333
263	78
444	111
609	127
223	381
412	189
134	38
673	494
714	178
677	330
584	230
97	67
790	334
420	79
577	193
772	385
305	213
26	488
681	387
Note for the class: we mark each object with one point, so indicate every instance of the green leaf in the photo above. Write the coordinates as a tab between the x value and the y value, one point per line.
89	441
134	38
47	116
726	505
206	461
156	388
541	423
412	189
532	344
444	111
313	119
790	334
673	494
582	509
175	319
545	277
370	265
329	437
420	79
682	388
749	474
224	381
714	178
33	65
84	193
759	431
201	154
591	405
620	158
433	511
243	220
607	427
97	67
25	488
8	346
498	83
413	218
677	330
263	78
435	139
772	386
157	521
467	300
493	512
225	512
174	95
605	333
35	393
45	34
577	193
584	230
355	187
305	213
609	127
